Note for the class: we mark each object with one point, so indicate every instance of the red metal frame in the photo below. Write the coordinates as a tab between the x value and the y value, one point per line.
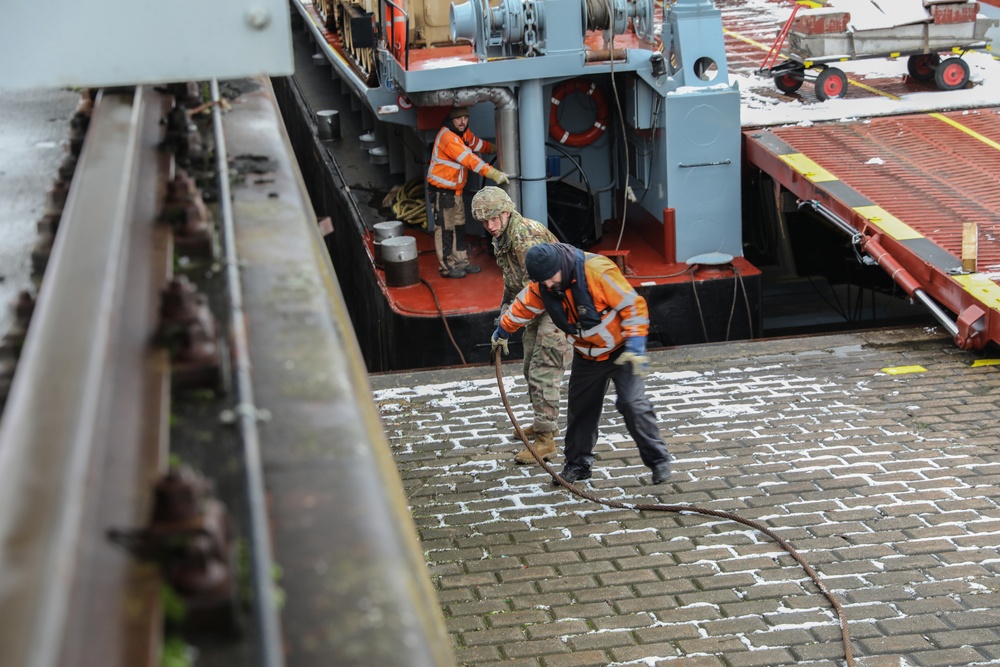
772	55
977	324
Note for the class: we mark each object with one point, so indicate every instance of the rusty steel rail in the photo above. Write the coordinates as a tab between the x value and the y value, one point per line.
357	588
84	429
261	561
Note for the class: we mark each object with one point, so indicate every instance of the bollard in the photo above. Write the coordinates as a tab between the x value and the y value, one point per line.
328	124
319	60
379	155
385	230
400	257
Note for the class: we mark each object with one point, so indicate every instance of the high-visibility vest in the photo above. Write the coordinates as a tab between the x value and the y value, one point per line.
452	155
622	310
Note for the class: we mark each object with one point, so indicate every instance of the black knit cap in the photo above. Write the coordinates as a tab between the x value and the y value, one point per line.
542	262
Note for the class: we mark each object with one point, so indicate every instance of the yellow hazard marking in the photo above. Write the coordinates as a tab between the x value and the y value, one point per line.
807	167
984	289
747	40
888	223
971	133
902	370
985	362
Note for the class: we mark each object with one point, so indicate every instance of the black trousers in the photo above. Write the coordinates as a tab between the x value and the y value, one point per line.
588	384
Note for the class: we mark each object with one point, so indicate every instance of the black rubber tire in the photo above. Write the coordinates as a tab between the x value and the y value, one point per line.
788	83
922	66
951	74
831	82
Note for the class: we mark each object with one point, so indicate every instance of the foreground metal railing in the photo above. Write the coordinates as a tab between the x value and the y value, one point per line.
86	430
83	430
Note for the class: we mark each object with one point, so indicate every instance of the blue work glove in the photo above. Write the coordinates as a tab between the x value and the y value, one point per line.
635	354
499	340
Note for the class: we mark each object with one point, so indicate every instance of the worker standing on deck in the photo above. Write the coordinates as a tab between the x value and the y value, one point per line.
546	350
607	322
454	154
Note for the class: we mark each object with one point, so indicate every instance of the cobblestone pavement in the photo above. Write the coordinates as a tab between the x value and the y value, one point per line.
884	478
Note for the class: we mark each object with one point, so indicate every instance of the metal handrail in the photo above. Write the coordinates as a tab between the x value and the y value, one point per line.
75	450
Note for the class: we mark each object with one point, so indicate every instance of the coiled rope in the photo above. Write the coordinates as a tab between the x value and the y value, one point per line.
685	509
408	204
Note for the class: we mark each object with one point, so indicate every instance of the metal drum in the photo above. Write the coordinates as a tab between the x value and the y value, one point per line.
385	230
400	257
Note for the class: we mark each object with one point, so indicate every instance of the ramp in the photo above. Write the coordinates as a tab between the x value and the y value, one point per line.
910	184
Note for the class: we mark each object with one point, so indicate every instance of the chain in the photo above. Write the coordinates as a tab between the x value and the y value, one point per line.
530	34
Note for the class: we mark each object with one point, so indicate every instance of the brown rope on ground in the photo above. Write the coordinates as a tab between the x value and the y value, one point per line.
686	509
445	320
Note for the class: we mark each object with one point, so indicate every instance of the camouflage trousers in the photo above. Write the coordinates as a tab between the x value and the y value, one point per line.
547	355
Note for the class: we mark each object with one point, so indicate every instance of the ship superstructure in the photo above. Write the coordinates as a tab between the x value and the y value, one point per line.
617	122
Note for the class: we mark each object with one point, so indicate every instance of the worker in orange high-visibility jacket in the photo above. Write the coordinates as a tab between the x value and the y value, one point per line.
607	323
453	154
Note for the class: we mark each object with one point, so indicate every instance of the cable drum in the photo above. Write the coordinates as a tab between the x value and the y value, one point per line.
598	14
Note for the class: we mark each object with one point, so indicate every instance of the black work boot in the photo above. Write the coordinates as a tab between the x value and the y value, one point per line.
453	273
661	472
573	474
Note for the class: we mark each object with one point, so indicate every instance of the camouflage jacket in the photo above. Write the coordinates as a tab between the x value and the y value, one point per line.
510	249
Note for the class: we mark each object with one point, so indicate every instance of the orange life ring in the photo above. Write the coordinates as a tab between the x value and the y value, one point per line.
592	133
397	30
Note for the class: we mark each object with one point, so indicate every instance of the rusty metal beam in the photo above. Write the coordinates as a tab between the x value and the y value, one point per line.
84	429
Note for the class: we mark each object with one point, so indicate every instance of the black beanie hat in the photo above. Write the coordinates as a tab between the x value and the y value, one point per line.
542	262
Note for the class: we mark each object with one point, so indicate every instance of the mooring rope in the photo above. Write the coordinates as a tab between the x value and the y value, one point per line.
845	633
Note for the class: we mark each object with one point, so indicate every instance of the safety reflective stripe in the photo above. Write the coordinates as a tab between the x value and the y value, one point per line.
438	160
587	346
452	167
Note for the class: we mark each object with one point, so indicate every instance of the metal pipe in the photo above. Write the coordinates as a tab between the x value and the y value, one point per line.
261	561
508	153
604	55
533	119
939	314
842	224
884	259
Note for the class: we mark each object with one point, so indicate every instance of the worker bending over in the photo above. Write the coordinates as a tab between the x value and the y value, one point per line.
607	323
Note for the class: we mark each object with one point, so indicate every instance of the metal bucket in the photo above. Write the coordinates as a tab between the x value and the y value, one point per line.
385	230
400	257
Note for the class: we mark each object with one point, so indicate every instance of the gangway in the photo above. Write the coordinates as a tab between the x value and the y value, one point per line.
920	207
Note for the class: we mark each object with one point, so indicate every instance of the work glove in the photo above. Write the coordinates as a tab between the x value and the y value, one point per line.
497	176
489	149
635	354
499	340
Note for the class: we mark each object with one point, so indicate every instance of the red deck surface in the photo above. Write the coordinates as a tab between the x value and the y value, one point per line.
931	174
482	291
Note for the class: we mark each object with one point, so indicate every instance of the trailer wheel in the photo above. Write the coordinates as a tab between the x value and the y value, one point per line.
831	82
951	74
788	83
921	67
